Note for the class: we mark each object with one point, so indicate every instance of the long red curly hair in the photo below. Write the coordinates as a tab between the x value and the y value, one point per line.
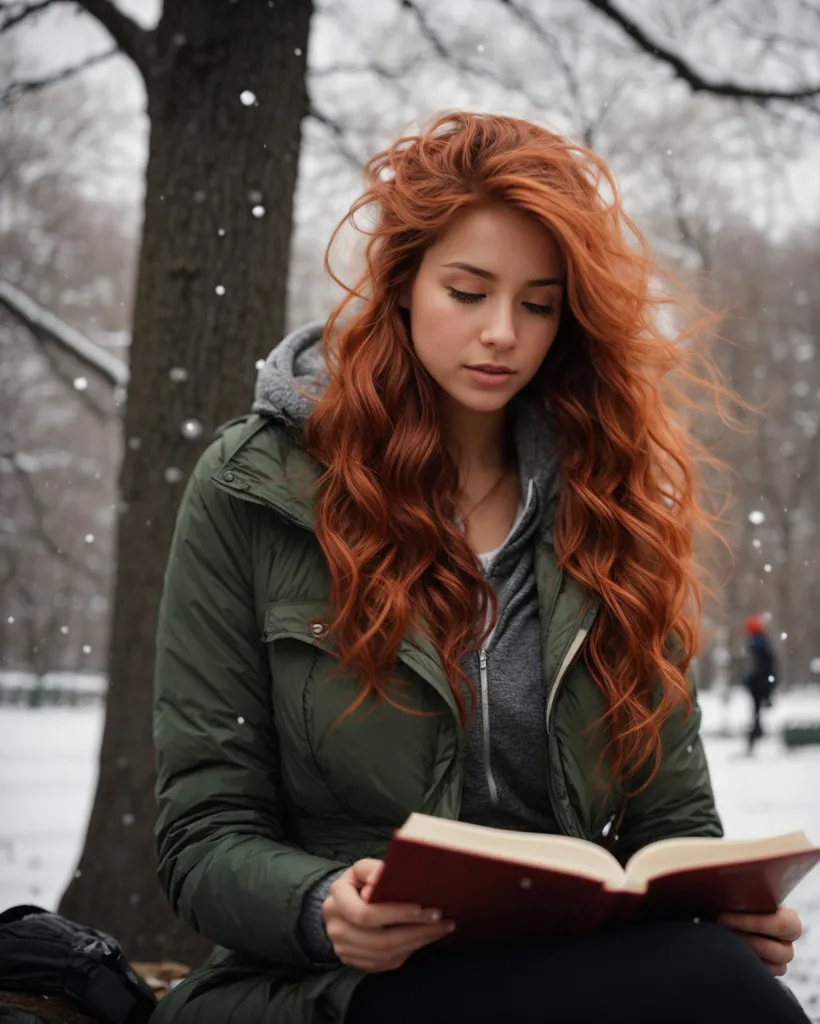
618	385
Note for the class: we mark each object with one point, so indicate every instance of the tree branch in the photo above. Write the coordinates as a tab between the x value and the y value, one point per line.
47	327
699	78
39	531
16	89
19	13
84	397
338	133
129	37
438	44
374	67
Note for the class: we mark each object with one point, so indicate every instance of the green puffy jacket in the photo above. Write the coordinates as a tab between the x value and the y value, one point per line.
259	795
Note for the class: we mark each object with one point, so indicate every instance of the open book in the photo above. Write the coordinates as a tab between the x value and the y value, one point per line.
500	885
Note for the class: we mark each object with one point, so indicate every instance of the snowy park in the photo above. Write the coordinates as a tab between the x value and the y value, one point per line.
182	192
48	770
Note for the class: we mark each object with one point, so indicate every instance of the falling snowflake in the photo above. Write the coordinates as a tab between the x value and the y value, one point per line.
173	474
814	665
258	211
220	289
89	538
134	443
247	98
178	374
86	648
298	51
128	819
191	429
11	620
241	720
221	232
259	364
756	543
64	630
767	568
80	383
757	518
784	636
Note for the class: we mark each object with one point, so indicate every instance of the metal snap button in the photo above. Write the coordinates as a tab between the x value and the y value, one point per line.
228	478
317	629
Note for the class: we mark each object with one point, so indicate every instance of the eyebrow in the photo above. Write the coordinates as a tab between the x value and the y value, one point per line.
490	276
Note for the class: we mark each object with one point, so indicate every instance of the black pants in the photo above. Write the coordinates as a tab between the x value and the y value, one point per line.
755	729
668	973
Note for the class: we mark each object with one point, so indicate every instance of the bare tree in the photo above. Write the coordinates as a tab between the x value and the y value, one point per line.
225	118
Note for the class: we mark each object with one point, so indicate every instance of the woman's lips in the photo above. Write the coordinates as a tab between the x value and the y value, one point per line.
492	378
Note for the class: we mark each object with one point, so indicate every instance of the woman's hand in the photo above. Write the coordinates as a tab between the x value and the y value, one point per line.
771	936
376	937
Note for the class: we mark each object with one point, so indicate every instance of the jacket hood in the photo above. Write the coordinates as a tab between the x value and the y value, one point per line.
298	362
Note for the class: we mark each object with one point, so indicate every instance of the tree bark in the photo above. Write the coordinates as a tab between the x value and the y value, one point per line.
217	158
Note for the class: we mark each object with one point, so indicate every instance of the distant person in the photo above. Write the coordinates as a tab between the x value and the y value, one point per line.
761	678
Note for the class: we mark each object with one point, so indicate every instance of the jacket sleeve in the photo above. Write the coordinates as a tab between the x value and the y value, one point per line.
679	799
224	861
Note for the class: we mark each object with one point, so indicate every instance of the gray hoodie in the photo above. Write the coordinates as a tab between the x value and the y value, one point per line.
505	764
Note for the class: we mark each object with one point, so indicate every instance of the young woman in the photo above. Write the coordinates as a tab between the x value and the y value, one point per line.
447	567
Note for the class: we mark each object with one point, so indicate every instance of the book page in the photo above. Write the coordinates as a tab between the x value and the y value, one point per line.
670	855
573	856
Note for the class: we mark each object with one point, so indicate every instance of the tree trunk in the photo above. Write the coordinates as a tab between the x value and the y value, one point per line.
226	96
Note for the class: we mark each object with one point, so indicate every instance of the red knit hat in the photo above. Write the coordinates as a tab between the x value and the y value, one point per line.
753	624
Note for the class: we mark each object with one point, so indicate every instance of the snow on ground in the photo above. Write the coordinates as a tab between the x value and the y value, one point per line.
48	768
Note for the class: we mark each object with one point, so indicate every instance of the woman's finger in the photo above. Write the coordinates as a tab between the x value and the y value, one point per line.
388	943
346	901
778	970
770	950
784	924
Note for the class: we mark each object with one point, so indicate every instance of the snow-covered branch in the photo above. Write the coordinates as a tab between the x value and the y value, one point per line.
15	89
49	328
700	78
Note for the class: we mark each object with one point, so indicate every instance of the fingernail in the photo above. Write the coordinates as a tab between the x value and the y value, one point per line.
435	915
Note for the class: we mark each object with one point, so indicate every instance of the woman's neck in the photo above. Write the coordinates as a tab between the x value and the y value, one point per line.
479	443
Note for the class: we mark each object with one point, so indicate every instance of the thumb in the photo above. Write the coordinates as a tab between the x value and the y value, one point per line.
367	871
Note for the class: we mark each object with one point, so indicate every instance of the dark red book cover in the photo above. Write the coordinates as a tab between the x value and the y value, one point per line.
496	900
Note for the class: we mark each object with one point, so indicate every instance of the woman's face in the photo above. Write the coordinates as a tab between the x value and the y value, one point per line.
487	294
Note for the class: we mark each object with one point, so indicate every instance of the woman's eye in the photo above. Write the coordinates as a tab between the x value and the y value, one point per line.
534	307
465	296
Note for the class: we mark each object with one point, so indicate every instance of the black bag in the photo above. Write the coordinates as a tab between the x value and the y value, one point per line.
8	1015
45	953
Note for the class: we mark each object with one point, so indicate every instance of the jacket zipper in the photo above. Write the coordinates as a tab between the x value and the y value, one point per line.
485	720
569	657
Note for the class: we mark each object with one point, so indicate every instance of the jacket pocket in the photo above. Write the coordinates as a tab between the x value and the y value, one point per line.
293	633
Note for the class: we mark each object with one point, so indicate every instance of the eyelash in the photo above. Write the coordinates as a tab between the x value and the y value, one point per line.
471	297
